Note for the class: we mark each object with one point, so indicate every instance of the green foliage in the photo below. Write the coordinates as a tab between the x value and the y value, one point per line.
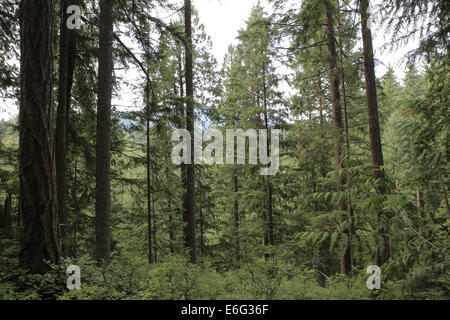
235	259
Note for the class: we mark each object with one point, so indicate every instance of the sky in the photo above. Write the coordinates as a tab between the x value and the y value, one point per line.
223	19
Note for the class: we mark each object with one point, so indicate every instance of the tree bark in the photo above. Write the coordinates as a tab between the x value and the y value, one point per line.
103	139
155	255
182	123
338	136
66	68
444	192
349	230
268	185
149	207
263	189
191	238
323	170
419	199
76	209
40	232
202	243
382	253
6	219
236	216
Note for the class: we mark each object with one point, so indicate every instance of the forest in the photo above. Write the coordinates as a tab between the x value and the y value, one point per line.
339	174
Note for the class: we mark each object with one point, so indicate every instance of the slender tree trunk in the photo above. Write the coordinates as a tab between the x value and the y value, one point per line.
171	234
263	189
349	230
191	238
444	192
264	212
236	215
61	126
75	206
202	243
40	232
323	171
182	123
338	128
382	253
6	219
419	199
335	96
155	253
171	222
72	58
66	68
103	139
319	93
149	207
268	183
71	62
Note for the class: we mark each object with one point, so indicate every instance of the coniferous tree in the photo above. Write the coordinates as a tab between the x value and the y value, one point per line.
189	200
67	56
103	138
382	251
40	232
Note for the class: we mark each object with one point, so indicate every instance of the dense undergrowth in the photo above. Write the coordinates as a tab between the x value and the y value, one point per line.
174	278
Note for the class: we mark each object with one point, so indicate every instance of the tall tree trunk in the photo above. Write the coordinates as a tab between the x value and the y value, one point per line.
264	212
61	126
182	123
202	243
171	234
155	255
71	62
263	188
338	128
268	183
76	210
40	232
191	238
6	219
444	191
349	229
319	94
103	139
177	106
66	68
236	216
382	253
149	207
323	171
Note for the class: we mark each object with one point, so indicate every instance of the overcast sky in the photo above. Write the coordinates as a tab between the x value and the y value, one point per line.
223	19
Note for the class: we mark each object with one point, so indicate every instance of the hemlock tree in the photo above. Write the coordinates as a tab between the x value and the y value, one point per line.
40	234
67	56
189	200
345	254
382	252
103	138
